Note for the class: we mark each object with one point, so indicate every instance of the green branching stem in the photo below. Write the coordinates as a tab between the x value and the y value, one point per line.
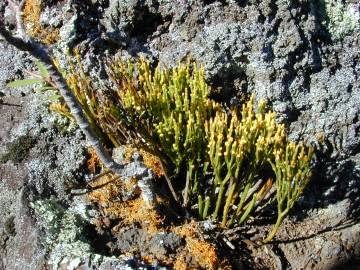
292	169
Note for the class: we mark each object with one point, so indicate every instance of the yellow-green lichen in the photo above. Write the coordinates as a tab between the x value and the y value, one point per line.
64	239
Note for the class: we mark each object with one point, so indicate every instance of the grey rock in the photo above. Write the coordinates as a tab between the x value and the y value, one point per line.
58	154
163	245
160	245
13	63
19	237
51	17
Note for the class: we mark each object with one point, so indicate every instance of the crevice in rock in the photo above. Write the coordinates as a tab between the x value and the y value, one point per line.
209	2
145	24
99	242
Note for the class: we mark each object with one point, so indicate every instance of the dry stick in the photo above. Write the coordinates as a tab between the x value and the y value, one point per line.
25	43
82	186
91	188
172	190
186	190
255	188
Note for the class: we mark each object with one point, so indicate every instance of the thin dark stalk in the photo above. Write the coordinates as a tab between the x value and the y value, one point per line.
93	188
168	180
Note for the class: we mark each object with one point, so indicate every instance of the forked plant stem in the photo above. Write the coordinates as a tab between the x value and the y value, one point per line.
276	227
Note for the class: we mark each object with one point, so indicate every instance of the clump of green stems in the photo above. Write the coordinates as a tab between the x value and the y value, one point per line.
233	160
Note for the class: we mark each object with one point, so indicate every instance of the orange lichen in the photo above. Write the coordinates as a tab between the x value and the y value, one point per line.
148	259
202	251
186	230
181	264
31	15
152	162
48	37
105	190
130	183
136	211
93	162
129	152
